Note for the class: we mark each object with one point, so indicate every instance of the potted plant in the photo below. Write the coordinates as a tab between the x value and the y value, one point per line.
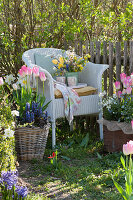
118	114
69	66
32	123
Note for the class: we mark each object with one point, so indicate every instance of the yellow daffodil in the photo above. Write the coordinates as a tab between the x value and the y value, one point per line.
61	60
60	65
55	61
79	65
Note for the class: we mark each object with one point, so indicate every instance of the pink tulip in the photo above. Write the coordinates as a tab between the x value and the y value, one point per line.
29	71
36	71
128	148
25	70
21	73
124	91
119	93
1	81
132	124
126	83
128	77
117	85
132	79
129	90
122	76
42	76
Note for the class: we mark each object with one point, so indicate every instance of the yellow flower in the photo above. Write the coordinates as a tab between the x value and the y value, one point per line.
79	66
24	82
61	60
87	56
60	65
55	61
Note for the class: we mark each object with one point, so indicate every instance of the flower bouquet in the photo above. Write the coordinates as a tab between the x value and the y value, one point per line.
70	65
118	111
32	123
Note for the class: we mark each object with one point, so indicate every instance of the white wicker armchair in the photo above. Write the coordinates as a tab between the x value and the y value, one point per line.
91	74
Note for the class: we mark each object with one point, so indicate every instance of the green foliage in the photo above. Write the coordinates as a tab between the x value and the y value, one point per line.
7	151
119	110
82	176
127	192
30	24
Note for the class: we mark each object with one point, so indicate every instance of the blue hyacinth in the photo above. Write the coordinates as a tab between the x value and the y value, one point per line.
33	106
21	191
39	112
67	67
32	116
28	118
9	178
27	108
8	181
36	109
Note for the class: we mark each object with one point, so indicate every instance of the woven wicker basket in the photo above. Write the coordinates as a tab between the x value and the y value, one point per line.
114	140
31	142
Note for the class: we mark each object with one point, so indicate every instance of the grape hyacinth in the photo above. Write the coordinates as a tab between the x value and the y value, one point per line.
9	178
34	113
28	118
21	191
33	106
32	116
27	108
9	187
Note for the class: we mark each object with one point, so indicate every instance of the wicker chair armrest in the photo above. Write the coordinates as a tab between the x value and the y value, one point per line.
92	75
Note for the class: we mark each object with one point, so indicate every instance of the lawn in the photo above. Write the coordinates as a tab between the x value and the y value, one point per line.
82	172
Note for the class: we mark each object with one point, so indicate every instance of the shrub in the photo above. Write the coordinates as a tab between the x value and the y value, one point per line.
7	150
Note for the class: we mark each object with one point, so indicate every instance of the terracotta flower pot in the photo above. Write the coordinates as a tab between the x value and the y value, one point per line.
115	134
114	140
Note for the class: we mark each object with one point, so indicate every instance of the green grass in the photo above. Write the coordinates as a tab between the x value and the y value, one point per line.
82	173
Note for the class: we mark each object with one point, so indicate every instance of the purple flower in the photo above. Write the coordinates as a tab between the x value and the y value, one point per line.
32	116
33	105
9	178
67	67
28	117
27	107
40	111
21	191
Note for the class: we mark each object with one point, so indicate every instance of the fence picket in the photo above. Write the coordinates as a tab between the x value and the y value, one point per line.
131	56
92	52
87	46
80	48
105	62
122	56
118	60
125	57
110	68
98	45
